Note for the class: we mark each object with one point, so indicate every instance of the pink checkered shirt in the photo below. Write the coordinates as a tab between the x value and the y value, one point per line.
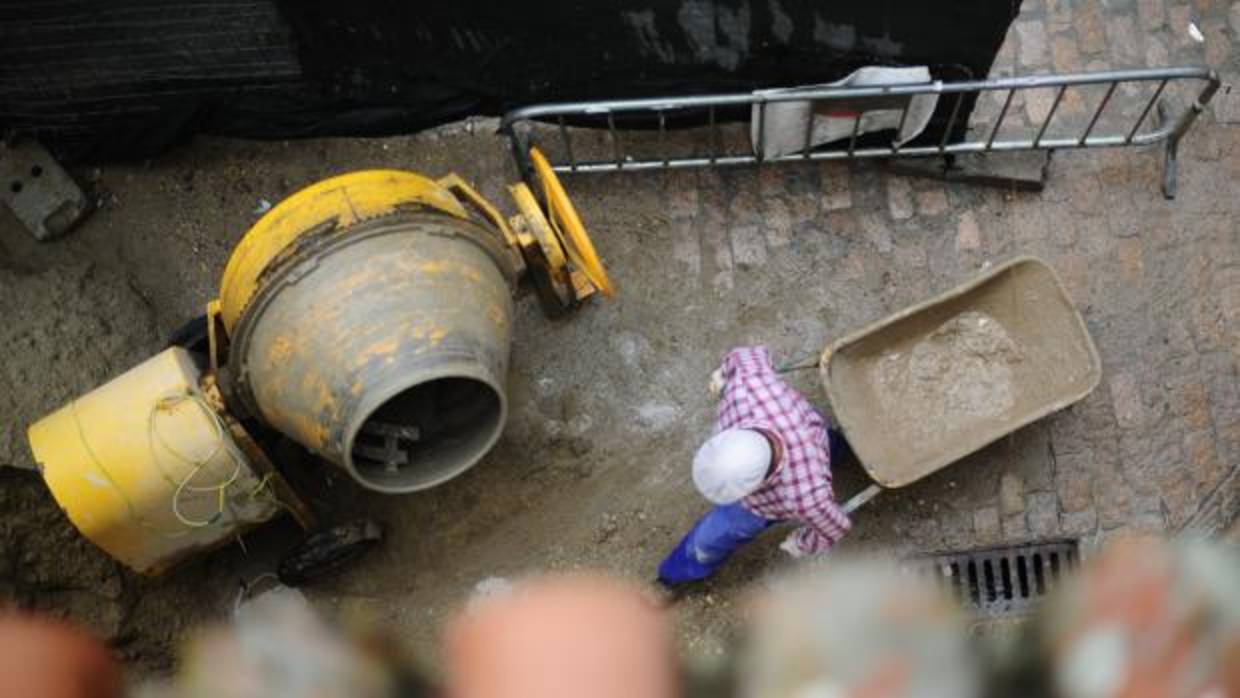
754	396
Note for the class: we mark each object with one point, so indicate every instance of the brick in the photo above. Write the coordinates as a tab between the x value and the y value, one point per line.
686	247
1043	514
1091	37
968	235
1121	31
748	246
682	194
1078	524
836	187
932	201
1156	55
986	525
1074	482
1038	105
1180	16
1152	14
1064	55
1218	45
1032	36
1114	501
956	526
1126	399
1011	494
1201	456
899	198
1132	260
1191	402
1015	528
1058	15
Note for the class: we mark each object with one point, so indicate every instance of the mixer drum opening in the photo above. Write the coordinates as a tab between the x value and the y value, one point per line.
426	433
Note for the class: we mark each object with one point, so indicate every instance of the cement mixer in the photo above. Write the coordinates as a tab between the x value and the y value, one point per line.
367	317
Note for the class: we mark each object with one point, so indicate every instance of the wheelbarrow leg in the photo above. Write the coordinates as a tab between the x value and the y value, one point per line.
860	498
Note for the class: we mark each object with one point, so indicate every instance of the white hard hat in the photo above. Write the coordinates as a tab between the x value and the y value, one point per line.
731	464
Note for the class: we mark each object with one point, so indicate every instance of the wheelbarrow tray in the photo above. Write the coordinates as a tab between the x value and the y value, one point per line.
1049	362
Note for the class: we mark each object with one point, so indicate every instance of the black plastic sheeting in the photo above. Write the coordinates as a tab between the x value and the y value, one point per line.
124	79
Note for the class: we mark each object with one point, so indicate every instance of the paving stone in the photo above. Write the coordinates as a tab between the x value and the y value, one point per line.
1129	411
1124	45
1132	260
687	247
1043	514
682	194
1180	16
986	525
1058	15
748	246
836	187
1091	37
899	198
1064	55
1032	36
1074	482
932	200
1156	55
1152	13
1078	524
777	223
1038	105
1218	45
968	235
1011	494
1015	528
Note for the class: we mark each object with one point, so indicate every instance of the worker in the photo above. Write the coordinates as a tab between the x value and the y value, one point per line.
768	460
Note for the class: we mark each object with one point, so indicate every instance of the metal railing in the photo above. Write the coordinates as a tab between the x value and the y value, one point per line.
655	114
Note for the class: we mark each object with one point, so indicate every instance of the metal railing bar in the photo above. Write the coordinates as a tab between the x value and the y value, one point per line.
999	122
724	100
1049	115
761	129
663	136
951	123
876	152
714	135
895	144
1145	112
568	145
1098	113
809	129
615	139
852	140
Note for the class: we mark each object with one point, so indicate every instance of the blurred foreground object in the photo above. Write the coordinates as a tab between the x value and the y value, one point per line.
45	658
1147	618
860	629
580	636
277	645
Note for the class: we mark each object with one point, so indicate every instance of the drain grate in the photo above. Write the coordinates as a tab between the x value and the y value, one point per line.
1000	581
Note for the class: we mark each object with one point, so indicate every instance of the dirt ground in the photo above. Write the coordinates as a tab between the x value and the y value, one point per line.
608	404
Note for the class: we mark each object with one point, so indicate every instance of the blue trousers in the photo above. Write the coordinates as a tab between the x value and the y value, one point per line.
710	542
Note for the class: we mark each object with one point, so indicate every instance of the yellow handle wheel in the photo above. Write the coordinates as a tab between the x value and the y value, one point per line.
568	226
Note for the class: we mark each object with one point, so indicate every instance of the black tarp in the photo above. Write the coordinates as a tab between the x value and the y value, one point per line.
123	79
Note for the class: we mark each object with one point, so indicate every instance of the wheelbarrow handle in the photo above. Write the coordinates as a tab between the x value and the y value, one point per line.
860	498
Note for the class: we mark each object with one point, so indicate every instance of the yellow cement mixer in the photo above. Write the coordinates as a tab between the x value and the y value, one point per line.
367	317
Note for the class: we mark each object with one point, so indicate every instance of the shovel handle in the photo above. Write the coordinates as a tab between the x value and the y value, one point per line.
860	498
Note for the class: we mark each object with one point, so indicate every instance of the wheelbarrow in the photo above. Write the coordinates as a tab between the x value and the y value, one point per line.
941	379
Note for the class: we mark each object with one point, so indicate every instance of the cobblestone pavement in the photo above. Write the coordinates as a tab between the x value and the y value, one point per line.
1157	446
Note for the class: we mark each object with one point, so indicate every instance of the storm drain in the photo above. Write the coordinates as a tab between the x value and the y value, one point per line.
1000	581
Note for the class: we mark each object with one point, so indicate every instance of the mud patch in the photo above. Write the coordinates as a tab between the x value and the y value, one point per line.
961	373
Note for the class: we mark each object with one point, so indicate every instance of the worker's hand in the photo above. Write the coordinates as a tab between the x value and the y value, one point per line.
716	383
792	547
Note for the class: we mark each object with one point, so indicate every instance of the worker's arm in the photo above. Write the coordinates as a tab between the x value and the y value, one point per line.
824	526
746	361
